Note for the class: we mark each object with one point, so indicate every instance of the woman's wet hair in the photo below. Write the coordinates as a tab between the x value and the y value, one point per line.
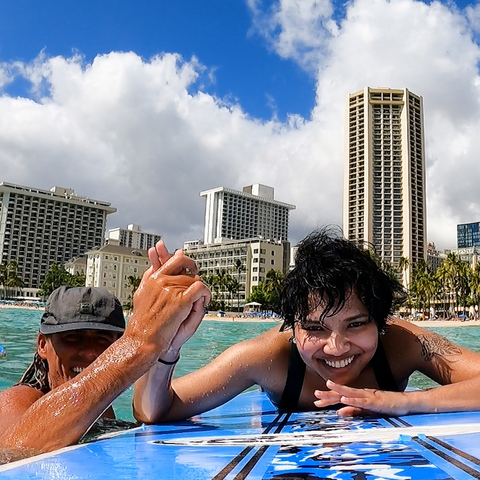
328	268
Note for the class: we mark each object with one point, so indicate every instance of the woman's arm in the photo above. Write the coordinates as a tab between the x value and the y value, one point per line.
233	371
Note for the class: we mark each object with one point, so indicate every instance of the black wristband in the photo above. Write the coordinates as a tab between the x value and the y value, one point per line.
169	363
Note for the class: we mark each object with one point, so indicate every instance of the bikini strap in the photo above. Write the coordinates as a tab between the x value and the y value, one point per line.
294	382
382	370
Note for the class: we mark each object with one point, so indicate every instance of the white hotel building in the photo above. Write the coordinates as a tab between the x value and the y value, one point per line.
41	227
249	227
110	266
384	181
252	213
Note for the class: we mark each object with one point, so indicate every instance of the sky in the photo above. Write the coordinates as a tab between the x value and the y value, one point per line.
146	104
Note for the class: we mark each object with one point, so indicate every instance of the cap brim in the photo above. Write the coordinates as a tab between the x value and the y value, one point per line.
66	327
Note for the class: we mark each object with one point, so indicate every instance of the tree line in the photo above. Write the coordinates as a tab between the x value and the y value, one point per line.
452	288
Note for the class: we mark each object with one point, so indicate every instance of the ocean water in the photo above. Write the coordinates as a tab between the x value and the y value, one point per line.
19	327
18	334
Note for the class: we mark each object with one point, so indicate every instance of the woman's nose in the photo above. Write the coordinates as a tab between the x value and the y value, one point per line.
336	344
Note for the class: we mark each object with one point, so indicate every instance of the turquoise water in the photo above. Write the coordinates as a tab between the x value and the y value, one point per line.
18	332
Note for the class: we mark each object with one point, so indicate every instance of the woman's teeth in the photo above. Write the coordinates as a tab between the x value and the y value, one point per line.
78	369
339	363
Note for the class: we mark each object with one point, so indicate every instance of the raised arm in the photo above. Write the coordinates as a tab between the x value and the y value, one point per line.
163	305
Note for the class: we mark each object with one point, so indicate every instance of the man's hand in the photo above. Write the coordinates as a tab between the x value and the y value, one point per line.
362	401
169	303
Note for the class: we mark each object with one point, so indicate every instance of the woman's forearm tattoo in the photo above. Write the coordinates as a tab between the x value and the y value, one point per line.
434	344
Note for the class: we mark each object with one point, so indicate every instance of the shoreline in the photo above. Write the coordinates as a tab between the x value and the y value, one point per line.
211	317
421	323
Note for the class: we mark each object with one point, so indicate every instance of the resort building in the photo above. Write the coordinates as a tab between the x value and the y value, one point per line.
468	235
116	269
247	261
435	258
246	236
42	227
133	237
253	213
76	266
384	181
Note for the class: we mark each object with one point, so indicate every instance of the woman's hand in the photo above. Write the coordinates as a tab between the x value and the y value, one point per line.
363	401
181	270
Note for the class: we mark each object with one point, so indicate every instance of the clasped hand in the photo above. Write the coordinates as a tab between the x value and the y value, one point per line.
170	301
362	401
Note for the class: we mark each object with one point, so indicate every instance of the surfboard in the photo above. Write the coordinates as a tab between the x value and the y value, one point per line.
248	439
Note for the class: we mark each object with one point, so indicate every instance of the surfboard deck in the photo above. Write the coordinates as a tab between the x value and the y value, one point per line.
248	439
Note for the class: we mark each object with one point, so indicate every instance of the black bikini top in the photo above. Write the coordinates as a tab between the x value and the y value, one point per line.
296	375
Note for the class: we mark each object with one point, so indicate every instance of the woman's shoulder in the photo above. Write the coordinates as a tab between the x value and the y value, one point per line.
398	326
269	345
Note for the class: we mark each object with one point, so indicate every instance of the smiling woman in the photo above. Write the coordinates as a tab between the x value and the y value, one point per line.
339	344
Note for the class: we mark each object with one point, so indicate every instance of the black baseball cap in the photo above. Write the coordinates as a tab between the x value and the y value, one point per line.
82	308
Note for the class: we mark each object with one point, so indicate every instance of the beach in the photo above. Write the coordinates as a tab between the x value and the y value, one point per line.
458	322
212	317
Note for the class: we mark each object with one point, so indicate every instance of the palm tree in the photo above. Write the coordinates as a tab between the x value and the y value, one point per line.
403	264
233	286
239	268
223	277
453	273
3	276
133	282
475	285
210	281
10	278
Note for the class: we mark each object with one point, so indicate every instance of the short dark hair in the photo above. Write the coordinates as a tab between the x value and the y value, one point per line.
331	267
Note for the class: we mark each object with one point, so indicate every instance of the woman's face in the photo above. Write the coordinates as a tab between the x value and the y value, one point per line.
341	347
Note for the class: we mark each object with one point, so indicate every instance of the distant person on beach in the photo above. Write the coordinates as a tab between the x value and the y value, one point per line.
339	346
86	356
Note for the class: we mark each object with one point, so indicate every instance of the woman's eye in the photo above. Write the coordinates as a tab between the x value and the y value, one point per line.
357	324
314	328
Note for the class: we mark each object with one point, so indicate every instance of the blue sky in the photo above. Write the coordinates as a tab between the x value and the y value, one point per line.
218	32
146	104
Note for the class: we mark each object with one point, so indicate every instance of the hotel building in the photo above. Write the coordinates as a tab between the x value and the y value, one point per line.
384	181
133	237
253	213
41	227
468	235
246	234
110	267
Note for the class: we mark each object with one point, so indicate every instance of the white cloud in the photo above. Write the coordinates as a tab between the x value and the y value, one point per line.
296	29
143	135
473	15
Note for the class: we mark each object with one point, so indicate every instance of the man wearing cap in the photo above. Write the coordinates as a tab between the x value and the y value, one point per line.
83	362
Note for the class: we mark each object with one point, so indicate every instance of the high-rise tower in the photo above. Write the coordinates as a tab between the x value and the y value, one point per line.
230	214
41	227
384	189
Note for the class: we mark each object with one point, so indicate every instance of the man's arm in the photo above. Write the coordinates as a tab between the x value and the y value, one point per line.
162	304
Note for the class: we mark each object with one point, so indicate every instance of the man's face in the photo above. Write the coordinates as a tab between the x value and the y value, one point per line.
68	353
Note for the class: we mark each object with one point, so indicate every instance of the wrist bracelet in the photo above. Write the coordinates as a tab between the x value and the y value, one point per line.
169	363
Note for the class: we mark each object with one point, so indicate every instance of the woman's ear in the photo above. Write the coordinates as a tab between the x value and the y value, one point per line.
42	346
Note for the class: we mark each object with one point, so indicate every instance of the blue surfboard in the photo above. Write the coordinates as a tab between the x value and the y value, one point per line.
248	439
